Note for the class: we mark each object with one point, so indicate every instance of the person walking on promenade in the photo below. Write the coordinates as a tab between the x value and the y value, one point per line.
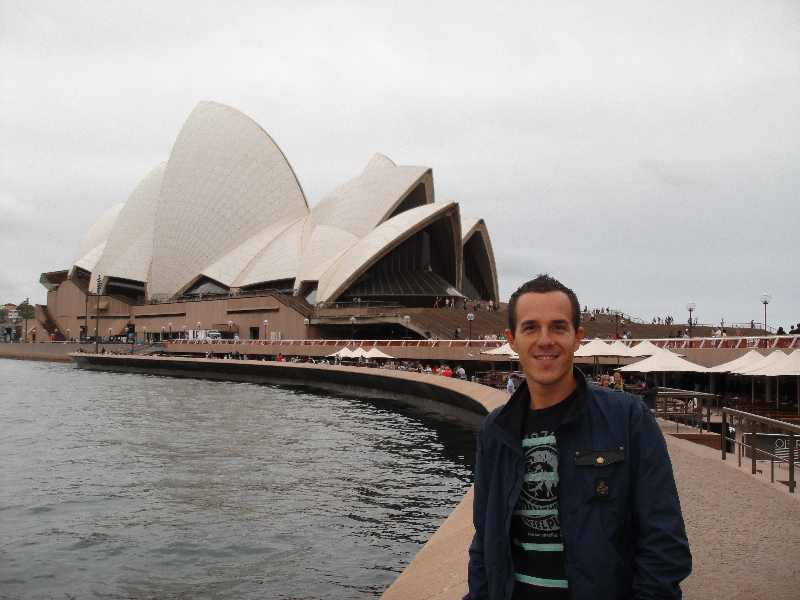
574	491
650	393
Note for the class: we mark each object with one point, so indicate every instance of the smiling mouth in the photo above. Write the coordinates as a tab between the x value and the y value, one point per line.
548	357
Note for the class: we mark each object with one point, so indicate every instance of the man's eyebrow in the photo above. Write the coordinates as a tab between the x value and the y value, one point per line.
537	321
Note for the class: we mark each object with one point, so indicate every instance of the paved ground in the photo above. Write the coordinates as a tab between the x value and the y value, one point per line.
743	530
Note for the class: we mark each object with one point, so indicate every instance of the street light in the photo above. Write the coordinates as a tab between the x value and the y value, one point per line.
162	333
170	331
470	318
352	328
144	335
230	325
97	313
68	334
266	322
690	306
616	312
184	333
407	320
56	330
306	322
765	298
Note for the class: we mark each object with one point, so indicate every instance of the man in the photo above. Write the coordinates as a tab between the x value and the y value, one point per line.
511	384
574	491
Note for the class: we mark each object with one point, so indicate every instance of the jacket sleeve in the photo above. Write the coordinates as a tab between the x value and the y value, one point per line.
476	571
663	558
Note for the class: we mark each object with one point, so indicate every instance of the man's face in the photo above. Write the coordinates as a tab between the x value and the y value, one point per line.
545	338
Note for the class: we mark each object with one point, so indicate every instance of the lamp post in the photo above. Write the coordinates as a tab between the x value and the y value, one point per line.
765	298
97	313
109	335
470	318
352	328
690	306
170	331
406	320
306	323
162	333
230	325
68	334
616	323
144	335
56	331
266	322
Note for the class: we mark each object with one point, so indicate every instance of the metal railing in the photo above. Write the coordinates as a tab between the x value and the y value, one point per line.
360	343
740	446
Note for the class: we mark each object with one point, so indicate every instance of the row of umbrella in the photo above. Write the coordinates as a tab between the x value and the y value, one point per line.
360	353
659	359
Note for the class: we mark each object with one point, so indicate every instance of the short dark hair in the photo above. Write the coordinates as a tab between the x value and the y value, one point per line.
541	285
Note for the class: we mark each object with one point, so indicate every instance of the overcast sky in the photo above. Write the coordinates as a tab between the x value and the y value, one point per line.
646	154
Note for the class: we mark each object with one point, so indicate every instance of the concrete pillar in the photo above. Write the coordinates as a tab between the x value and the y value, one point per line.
769	394
712	383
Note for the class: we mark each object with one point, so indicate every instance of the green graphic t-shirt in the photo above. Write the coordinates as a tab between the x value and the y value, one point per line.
537	546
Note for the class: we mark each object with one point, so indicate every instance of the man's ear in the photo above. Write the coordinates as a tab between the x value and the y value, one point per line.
510	340
578	337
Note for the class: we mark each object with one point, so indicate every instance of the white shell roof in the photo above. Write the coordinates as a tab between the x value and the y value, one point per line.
376	243
365	202
91	247
279	260
129	249
226	180
470	226
228	268
227	205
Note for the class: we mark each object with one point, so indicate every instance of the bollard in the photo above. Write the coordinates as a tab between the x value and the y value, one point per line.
753	438
723	435
791	462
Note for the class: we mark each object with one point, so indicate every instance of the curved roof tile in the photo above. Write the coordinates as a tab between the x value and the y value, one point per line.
89	250
226	180
129	249
375	244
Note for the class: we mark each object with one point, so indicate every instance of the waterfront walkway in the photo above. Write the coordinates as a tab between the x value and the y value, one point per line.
744	533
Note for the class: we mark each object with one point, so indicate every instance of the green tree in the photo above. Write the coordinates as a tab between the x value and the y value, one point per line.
26	311
3	313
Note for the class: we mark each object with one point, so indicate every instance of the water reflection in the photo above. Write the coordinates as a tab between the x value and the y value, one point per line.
132	486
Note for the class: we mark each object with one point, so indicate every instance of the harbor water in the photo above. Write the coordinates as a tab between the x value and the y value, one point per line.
133	486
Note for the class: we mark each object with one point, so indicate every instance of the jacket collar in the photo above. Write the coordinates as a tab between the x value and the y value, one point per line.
508	424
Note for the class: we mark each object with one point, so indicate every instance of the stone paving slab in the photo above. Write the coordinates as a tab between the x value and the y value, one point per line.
744	533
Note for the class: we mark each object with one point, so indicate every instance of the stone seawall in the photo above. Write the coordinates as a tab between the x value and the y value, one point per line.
51	351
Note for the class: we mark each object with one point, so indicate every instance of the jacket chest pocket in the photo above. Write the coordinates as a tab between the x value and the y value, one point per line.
600	472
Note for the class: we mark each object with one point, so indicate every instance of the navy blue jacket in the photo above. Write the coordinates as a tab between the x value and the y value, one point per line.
624	536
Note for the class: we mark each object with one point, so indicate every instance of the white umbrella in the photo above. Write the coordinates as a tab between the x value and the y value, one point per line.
596	347
664	361
623	350
504	350
769	360
788	365
743	362
777	364
645	348
359	352
343	353
375	353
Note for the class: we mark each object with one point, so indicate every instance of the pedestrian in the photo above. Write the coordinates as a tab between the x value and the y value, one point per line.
574	492
650	393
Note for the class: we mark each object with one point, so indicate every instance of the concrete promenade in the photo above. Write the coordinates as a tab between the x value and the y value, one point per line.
744	533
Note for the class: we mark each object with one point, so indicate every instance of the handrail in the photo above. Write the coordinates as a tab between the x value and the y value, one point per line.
754	450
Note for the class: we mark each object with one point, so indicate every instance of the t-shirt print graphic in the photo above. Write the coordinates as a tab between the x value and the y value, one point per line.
538	501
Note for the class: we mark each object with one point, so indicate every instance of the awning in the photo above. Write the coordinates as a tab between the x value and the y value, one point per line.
770	359
664	361
743	362
789	365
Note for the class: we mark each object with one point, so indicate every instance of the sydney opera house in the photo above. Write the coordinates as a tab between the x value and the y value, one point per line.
221	237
